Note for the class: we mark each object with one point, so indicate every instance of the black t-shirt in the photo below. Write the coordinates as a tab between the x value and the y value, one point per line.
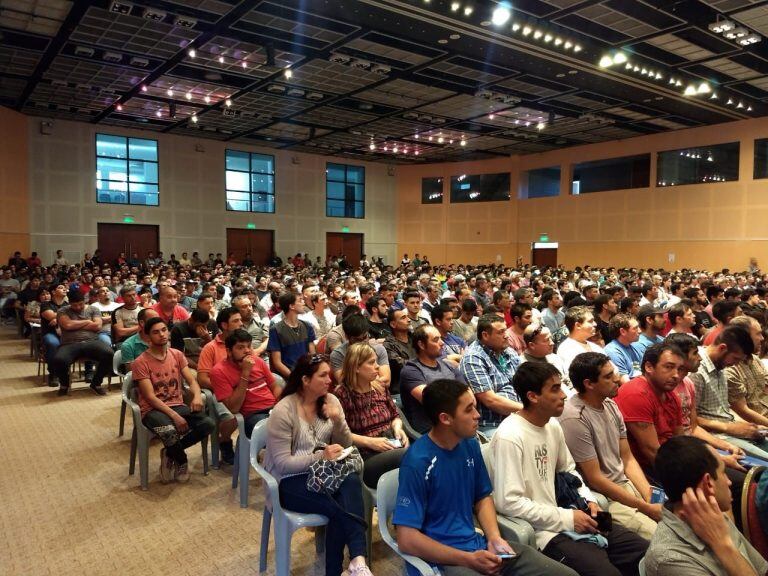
703	322
378	330
27	295
46	328
602	325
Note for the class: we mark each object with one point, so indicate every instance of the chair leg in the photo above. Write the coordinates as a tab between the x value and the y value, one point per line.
134	442
204	443
123	408
283	537
320	540
143	436
244	450
236	465
266	520
368	509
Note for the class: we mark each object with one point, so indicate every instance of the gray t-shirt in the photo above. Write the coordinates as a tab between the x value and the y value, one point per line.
337	356
130	318
594	434
70	336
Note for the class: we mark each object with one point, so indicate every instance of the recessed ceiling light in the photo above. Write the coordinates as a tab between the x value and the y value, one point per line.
468	10
541	126
228	102
527	30
500	15
372	146
443	41
455	6
119	107
537	34
577	48
288	73
143	87
515	27
619	58
194	118
189	95
703	88
221	59
454	36
605	62
158	113
690	90
169	92
548	38
192	53
244	64
207	99
558	41
567	45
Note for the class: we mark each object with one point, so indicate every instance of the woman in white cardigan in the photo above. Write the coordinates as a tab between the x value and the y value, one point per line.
308	424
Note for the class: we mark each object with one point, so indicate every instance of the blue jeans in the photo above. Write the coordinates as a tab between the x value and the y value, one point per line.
51	343
344	510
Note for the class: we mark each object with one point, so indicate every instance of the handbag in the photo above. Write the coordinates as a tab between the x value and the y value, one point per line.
325	476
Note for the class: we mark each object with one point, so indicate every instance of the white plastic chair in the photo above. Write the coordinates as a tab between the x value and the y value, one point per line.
286	522
142	435
240	471
117	361
386	497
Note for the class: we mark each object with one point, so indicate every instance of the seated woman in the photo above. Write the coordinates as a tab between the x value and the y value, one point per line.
371	414
32	309
308	424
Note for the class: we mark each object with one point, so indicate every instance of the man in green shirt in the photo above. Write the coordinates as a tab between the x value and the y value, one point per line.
133	347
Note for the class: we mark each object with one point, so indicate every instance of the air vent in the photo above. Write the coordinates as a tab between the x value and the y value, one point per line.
121	7
276	89
315	96
84	51
112	57
185	22
139	62
154	14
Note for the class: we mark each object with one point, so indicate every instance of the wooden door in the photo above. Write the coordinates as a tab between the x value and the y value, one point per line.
544	257
260	244
128	238
351	245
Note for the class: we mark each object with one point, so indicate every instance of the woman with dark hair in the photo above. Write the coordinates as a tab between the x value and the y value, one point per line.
307	425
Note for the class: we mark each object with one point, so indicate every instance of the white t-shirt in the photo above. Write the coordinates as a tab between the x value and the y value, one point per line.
524	461
570	348
106	314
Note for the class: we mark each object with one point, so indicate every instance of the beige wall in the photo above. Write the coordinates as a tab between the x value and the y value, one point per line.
14	184
702	225
192	214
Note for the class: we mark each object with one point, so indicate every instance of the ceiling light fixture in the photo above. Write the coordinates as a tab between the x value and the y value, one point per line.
690	90
721	26
288	73
537	34
619	58
189	95
605	62
194	118
703	88
527	30
541	126
119	107
244	64
158	113
192	53
228	102
143	87
515	27
169	92
500	15
577	48
455	7
207	99
372	146
221	59
467	12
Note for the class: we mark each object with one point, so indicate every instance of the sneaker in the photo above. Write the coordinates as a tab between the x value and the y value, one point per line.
53	381
182	472
63	390
98	389
167	467
361	570
227	452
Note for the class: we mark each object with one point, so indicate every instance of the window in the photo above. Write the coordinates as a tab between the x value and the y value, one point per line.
612	174
761	159
344	191
126	170
480	188
431	190
540	183
719	163
250	182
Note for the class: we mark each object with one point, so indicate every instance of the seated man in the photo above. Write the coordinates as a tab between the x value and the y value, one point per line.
464	326
290	338
428	366
191	336
244	384
376	307
442	319
539	347
522	317
651	321
416	314
446	466
581	327
597	439
624	332
126	317
80	326
488	366
528	451
159	373
356	328
399	345
135	345
747	381
695	536
168	307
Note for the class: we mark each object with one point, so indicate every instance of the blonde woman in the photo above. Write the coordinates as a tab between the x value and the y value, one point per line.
371	414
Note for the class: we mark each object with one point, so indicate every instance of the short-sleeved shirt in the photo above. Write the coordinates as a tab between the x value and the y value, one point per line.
686	393
212	353
338	354
748	381
430	477
644	342
570	348
638	402
367	413
46	328
292	343
165	376
485	370
106	314
453	344
130	318
415	374
467	331
626	358
132	347
225	377
595	434
179	314
70	336
711	390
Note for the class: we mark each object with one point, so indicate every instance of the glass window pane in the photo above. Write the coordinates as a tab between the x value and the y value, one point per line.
431	190
263	203
335	208
335	172
237	160
719	163
262	163
336	190
139	171
358	191
612	174
238	181
540	183
261	183
143	199
239	205
761	159
112	146
359	210
143	188
112	197
112	185
356	174
480	187
109	169
139	149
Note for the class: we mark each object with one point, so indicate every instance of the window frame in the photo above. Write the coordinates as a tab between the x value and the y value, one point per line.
128	161
438	201
602	162
453	197
345	182
250	173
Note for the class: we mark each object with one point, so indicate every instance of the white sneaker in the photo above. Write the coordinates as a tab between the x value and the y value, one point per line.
361	570
167	467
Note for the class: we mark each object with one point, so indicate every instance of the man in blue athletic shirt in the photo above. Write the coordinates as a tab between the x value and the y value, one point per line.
443	481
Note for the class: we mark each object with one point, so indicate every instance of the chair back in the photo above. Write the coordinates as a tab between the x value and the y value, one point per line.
117	361
130	391
258	442
321	345
750	517
386	497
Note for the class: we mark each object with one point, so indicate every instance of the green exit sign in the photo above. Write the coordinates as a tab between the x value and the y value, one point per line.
251	226
345	228
128	220
543	238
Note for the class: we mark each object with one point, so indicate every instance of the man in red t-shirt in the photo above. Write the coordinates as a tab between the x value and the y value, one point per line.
244	384
649	405
168	307
160	372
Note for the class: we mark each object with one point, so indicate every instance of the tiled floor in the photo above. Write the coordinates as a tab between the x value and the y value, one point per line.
70	508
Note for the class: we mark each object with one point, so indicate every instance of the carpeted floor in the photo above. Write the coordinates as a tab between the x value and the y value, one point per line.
70	507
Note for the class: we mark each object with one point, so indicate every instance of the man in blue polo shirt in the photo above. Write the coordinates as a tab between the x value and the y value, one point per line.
443	480
290	338
624	332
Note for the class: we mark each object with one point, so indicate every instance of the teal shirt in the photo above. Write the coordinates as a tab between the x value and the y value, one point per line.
132	348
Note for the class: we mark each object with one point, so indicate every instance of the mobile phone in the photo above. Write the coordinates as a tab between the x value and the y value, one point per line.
657	495
604	521
395	442
507	556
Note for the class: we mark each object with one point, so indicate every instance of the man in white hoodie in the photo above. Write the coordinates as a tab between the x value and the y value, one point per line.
528	451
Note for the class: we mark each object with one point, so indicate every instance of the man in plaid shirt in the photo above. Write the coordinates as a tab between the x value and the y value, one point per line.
488	366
